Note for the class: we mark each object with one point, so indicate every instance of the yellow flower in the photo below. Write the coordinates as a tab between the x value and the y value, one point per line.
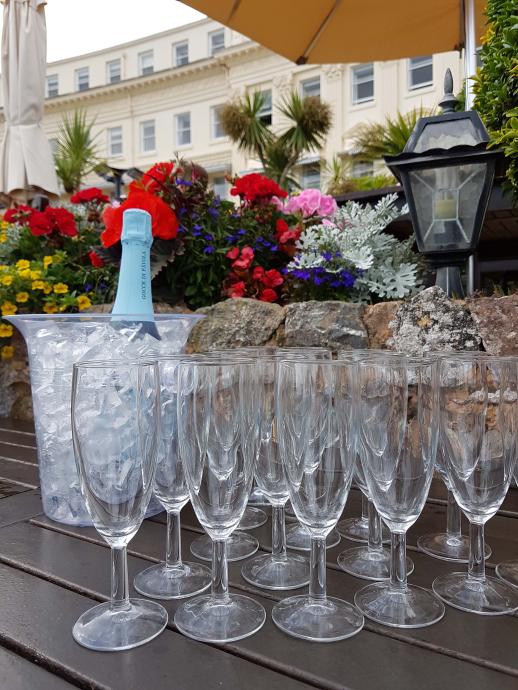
3	237
3	224
25	273
47	260
3	267
38	285
47	288
6	330
8	308
7	280
7	351
83	302
23	264
35	275
50	308
22	297
60	288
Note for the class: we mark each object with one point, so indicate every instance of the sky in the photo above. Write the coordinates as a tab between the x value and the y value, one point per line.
75	27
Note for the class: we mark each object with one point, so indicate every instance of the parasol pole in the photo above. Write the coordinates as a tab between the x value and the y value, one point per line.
470	48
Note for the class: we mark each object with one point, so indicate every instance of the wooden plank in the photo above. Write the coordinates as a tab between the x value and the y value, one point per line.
37	618
400	654
17	673
17	472
23	437
17	451
20	507
20	425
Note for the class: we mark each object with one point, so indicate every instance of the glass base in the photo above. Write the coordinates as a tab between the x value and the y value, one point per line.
252	518
447	547
239	545
489	597
326	620
257	498
108	630
368	564
357	529
273	572
298	539
160	582
213	620
508	572
412	607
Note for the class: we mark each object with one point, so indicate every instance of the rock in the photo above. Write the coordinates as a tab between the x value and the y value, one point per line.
377	318
235	323
430	322
15	400
333	324
497	321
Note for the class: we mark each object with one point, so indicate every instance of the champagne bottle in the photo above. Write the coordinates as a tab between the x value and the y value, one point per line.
134	288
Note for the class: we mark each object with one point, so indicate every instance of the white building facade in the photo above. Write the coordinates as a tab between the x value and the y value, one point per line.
160	95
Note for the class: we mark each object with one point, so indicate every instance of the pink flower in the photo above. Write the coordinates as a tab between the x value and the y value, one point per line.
311	202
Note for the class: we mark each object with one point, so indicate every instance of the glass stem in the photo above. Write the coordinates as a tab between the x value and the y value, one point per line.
120	589
219	571
398	560
317	567
173	556
278	532
365	507
477	565
453	515
375	536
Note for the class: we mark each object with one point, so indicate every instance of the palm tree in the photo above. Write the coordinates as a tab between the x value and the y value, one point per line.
373	141
76	155
309	121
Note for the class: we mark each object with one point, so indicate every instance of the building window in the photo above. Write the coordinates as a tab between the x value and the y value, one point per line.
265	112
216	41
310	87
220	187
82	78
147	136
53	143
145	63
114	142
113	71
478	54
52	86
420	72
183	129
362	169
216	128
180	53
363	83
310	177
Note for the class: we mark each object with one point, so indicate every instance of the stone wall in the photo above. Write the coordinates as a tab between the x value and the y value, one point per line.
428	322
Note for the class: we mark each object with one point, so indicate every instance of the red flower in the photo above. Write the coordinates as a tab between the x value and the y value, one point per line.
272	278
258	273
164	223
237	289
256	188
284	234
92	195
39	223
95	259
268	295
153	180
232	253
245	259
18	214
61	221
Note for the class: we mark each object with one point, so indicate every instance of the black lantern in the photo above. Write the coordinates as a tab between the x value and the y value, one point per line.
447	173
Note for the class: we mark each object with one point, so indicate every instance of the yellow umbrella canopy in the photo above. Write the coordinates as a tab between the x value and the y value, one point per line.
327	31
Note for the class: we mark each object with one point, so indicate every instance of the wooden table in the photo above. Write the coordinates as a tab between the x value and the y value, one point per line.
51	573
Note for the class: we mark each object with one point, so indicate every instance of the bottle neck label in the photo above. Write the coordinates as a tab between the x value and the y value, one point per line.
134	288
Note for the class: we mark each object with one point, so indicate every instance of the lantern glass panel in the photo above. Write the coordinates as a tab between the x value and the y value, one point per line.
446	201
445	134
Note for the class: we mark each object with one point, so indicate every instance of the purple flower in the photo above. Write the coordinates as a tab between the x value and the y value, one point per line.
208	237
88	287
318	281
197	233
182	211
274	247
213	212
209	249
198	226
186	183
327	256
241	232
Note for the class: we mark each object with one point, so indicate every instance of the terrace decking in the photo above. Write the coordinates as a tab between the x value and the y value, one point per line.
51	573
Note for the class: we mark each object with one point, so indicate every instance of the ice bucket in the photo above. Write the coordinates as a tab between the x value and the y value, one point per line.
54	343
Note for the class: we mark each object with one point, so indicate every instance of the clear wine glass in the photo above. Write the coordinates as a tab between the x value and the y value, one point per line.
172	579
398	427
218	431
478	426
508	571
315	419
114	429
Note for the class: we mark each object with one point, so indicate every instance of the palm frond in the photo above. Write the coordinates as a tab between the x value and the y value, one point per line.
76	154
241	121
311	120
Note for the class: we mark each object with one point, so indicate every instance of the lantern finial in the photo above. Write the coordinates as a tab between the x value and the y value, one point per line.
449	102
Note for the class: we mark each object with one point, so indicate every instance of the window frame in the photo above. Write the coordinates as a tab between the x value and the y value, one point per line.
77	78
410	69
307	167
213	122
211	34
303	82
109	63
178	130
142	70
109	142
177	45
142	125
266	113
355	83
47	90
